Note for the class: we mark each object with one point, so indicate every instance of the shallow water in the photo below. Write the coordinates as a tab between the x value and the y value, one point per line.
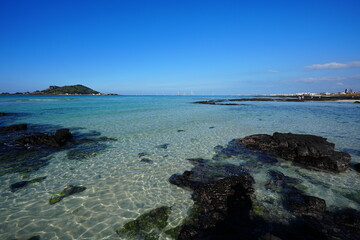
120	187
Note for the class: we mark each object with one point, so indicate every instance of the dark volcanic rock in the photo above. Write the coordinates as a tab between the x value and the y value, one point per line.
342	224
22	184
308	150
69	190
225	208
304	205
205	173
222	204
146	160
294	199
4	114
147	226
15	127
61	137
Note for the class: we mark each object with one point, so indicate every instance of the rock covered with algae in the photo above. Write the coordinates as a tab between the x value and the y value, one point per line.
69	190
21	184
147	226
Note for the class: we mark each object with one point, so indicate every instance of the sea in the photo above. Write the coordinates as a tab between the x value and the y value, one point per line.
125	148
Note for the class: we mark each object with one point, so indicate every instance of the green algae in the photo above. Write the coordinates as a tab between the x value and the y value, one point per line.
174	232
147	226
69	190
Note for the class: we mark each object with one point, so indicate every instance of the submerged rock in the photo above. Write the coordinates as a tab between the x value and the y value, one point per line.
142	154
22	184
163	146
308	150
225	208
84	148
15	127
205	173
35	238
294	199
278	181
222	202
61	137
147	226
69	190
146	160
304	205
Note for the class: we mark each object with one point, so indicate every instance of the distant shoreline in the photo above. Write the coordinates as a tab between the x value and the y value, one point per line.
286	98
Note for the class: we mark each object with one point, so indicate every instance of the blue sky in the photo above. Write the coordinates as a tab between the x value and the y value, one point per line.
166	47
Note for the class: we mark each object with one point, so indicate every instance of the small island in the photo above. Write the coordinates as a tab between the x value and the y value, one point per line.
64	90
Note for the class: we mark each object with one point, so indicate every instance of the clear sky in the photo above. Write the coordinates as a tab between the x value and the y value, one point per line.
171	46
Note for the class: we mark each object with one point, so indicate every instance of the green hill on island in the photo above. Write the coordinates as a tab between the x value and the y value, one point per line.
73	89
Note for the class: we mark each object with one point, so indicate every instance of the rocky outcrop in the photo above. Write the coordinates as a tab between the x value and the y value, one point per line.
69	190
222	202
14	128
226	208
21	184
308	150
60	138
147	226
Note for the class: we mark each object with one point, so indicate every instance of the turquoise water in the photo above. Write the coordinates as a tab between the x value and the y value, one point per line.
120	187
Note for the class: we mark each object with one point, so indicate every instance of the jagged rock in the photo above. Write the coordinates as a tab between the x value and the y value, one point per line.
147	226
342	224
61	137
301	204
205	173
69	190
222	196
22	184
15	127
308	150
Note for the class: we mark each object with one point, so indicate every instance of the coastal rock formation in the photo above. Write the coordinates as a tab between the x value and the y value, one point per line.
22	184
222	196
61	137
14	128
225	208
69	190
147	226
308	150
